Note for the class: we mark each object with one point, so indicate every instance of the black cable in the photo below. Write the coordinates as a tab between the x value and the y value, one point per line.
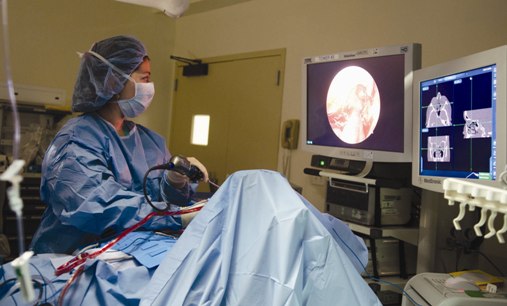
37	285
45	283
490	262
158	167
41	289
179	164
458	258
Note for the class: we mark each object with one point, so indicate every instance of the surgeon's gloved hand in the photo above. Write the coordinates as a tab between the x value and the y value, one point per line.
179	180
193	161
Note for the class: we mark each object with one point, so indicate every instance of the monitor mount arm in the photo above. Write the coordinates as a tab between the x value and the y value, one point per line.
194	67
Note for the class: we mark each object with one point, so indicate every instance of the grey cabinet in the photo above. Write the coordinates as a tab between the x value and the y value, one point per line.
38	125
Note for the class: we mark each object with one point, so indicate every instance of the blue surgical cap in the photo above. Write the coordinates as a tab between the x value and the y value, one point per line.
96	81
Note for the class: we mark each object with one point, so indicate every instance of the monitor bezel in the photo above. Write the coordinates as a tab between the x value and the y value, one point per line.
496	56
412	55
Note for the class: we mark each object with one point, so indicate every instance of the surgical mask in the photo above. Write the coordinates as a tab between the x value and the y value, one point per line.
142	98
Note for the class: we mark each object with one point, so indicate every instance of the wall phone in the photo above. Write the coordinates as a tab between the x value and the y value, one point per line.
290	134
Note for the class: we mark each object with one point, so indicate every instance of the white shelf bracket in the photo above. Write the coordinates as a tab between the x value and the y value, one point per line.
488	198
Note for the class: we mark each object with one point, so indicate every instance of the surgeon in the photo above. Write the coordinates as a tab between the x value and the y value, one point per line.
93	170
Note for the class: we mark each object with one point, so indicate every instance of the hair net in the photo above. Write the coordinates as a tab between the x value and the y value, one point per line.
96	81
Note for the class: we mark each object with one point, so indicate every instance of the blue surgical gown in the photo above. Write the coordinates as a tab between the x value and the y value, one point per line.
92	180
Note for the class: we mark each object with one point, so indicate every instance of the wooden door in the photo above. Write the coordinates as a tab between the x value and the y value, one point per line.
243	96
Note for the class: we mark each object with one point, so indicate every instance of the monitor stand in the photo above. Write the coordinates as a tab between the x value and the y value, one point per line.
357	168
368	165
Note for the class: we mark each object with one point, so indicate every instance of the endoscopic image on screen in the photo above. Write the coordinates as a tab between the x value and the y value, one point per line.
357	103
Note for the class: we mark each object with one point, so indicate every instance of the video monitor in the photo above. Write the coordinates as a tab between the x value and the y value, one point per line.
357	105
459	117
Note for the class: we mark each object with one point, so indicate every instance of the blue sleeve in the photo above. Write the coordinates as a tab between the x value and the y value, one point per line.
82	191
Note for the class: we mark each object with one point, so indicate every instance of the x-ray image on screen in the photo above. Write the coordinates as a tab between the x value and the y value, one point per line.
478	123
438	149
439	112
456	121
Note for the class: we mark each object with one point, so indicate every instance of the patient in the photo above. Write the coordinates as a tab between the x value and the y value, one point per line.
256	242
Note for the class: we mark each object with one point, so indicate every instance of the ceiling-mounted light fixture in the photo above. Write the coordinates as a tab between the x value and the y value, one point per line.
172	8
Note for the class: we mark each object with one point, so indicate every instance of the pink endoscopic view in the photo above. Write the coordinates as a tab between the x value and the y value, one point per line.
353	104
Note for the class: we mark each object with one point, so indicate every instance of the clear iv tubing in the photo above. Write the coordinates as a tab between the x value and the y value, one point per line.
214	184
10	84
15	115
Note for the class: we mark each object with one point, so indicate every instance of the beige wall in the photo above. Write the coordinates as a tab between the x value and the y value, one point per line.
446	29
45	35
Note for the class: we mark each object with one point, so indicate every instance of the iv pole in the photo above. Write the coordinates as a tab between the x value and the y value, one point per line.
13	175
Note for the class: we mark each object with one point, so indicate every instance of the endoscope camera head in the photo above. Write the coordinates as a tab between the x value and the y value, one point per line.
181	165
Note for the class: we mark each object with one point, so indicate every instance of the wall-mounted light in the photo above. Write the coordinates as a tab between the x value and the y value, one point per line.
200	130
